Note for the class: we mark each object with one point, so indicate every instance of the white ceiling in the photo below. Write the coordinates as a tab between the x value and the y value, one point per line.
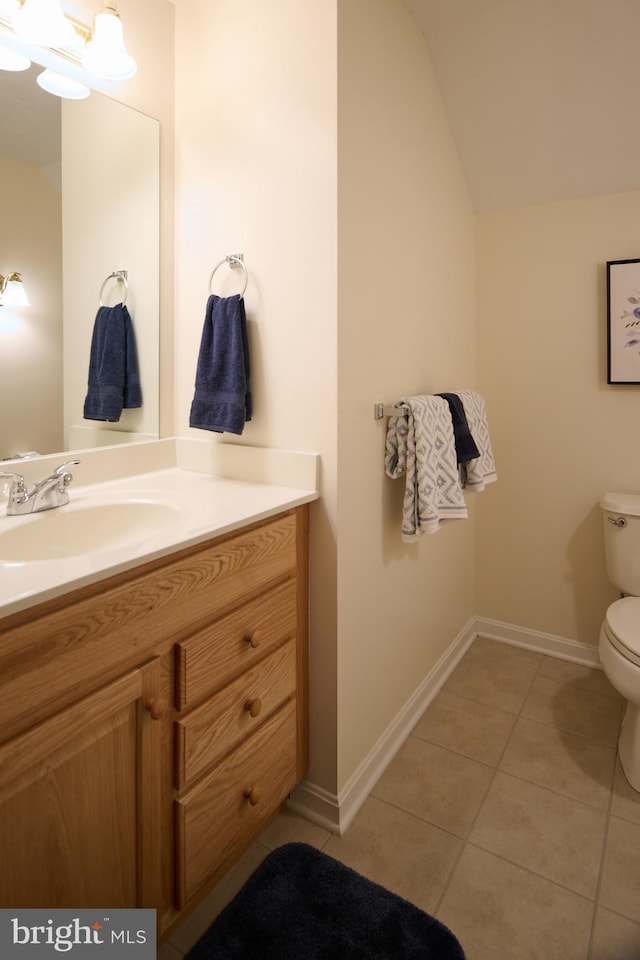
542	95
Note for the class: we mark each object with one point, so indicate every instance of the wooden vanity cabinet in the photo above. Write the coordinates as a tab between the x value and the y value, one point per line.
152	724
79	805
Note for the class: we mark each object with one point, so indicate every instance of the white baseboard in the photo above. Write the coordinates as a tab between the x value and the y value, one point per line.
335	812
317	805
545	643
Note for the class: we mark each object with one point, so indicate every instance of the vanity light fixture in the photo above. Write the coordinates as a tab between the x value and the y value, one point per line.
12	292
40	31
105	53
43	22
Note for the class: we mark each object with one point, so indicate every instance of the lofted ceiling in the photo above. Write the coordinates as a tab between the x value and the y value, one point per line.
542	95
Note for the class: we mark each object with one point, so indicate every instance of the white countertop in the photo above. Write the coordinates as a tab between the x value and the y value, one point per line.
198	507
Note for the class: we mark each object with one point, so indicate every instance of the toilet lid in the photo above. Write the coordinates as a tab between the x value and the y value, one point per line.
623	626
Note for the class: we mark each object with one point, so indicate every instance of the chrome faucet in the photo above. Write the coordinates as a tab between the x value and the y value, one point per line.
49	493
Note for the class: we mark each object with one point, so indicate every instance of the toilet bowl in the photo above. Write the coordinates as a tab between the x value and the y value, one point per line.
619	649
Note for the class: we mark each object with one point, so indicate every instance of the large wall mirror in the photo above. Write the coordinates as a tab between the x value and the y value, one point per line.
80	201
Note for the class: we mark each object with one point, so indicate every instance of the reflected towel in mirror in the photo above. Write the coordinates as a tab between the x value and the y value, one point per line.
114	380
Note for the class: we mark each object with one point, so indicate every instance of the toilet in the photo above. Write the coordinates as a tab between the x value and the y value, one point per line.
620	634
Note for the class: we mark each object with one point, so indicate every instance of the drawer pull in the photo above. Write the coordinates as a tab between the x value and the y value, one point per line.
157	708
253	638
252	794
253	707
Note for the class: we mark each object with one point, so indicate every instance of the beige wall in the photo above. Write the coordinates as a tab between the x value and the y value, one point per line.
406	325
562	436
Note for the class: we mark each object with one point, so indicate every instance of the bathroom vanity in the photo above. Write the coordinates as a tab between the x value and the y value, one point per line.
153	721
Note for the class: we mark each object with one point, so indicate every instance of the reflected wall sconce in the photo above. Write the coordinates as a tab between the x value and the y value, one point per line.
12	292
74	55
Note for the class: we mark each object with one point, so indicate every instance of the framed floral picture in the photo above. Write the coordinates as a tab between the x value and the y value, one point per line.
623	321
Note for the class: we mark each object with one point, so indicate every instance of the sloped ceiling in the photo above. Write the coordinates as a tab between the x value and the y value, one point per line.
542	95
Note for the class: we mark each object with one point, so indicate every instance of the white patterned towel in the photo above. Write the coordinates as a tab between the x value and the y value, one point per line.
483	470
420	444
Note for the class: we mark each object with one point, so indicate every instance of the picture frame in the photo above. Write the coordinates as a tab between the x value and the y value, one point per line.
623	321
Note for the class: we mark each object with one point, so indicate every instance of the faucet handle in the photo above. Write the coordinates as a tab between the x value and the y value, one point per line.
61	472
18	489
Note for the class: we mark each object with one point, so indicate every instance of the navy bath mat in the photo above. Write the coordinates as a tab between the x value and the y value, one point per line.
301	904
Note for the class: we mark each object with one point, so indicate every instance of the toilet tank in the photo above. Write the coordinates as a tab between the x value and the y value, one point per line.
621	513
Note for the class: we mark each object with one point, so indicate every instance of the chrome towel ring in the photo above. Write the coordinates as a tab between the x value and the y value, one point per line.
121	277
234	260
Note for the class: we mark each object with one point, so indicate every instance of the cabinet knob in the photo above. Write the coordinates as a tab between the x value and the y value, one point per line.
157	708
252	794
253	638
253	707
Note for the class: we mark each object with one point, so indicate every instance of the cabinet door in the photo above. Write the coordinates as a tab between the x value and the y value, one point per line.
79	802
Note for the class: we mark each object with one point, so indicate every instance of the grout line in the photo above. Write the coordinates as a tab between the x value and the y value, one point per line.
603	853
534	873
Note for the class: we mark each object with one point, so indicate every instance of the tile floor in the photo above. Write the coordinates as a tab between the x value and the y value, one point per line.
505	814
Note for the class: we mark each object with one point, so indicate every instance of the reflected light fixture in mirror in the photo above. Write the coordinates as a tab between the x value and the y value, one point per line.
10	59
12	291
62	86
40	31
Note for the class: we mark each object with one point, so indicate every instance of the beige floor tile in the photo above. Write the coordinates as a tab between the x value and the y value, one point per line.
625	801
436	785
587	678
401	853
620	889
470	728
570	708
206	912
499	911
527	661
556	837
495	684
614	937
289	827
571	765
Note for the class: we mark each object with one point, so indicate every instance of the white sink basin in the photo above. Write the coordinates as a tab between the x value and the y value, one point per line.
78	530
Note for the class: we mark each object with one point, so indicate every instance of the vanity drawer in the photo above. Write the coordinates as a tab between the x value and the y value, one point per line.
210	659
217	816
107	627
234	713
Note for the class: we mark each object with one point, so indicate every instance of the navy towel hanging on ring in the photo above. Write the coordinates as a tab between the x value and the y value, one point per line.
222	399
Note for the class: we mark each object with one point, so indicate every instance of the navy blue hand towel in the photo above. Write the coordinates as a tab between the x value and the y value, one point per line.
222	399
466	448
114	381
